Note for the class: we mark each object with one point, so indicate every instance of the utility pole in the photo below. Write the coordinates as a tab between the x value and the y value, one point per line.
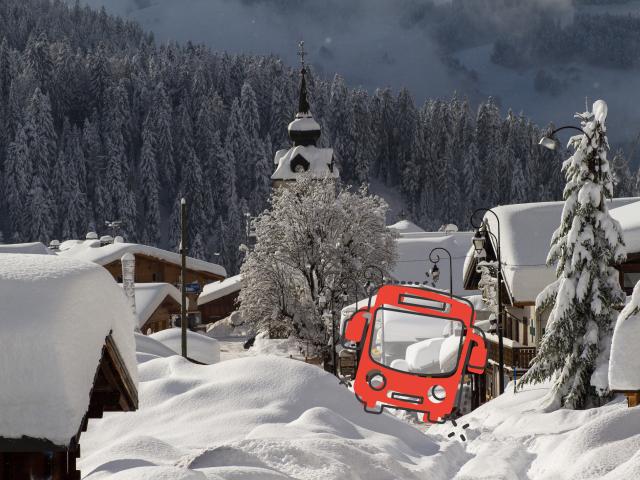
183	271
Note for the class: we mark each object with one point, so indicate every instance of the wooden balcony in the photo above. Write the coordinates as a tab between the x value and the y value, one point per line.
518	357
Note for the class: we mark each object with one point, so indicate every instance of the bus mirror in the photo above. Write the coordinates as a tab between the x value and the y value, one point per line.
478	357
354	327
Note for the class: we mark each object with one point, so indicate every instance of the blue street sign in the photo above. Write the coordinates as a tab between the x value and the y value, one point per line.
192	287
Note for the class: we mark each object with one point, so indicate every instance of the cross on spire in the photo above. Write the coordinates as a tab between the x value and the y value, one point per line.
301	53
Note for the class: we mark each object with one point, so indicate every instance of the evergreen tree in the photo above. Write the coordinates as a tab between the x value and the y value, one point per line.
149	195
16	178
586	247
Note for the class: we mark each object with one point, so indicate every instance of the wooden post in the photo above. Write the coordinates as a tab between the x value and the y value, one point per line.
183	270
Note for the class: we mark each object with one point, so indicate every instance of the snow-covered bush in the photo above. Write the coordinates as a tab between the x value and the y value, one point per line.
585	247
313	243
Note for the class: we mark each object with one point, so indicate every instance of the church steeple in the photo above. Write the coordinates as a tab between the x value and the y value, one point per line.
304	130
304	157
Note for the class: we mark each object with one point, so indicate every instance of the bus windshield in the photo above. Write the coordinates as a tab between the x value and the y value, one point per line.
414	343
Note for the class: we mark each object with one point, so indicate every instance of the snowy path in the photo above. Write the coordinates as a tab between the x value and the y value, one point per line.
232	347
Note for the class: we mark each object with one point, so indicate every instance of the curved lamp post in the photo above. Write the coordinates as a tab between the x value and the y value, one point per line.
478	245
551	143
368	274
435	271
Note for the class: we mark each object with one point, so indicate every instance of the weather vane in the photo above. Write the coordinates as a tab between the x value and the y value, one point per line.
301	52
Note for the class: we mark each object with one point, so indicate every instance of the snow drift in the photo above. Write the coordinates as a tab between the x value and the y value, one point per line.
258	417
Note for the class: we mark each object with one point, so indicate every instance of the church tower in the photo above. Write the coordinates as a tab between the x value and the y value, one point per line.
304	157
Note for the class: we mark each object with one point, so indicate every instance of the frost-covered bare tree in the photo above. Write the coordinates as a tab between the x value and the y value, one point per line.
311	251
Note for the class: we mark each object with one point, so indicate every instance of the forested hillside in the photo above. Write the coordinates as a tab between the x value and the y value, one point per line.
99	123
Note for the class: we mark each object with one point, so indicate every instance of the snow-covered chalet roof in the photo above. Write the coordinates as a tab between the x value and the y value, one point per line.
91	250
526	231
216	290
624	373
629	218
413	261
406	226
319	160
33	248
55	314
149	296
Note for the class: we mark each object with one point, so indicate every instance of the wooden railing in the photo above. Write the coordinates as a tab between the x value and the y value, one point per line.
518	357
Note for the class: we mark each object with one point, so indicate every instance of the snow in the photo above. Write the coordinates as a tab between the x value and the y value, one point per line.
55	314
406	226
526	231
270	417
261	417
413	262
231	326
216	290
33	248
92	251
629	218
149	296
624	373
304	123
319	160
200	348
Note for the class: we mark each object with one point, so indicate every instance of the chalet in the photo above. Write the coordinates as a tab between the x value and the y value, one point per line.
155	305
33	248
525	232
152	265
58	370
629	218
414	246
218	300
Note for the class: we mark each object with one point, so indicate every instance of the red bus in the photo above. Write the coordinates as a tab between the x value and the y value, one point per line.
414	347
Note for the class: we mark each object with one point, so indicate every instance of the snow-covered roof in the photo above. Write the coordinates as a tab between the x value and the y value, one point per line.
624	373
33	248
526	231
413	262
92	251
216	290
200	348
55	314
149	296
629	218
406	226
319	160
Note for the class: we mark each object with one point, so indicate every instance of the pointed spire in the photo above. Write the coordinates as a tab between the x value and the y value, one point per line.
304	130
303	102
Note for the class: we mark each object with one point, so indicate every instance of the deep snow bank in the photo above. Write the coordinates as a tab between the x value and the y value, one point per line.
258	417
512	438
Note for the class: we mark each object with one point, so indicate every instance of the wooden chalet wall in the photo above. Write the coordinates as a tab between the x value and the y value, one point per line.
219	308
161	318
150	269
30	458
631	266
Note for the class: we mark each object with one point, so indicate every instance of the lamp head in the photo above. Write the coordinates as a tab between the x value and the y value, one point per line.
435	273
549	143
478	242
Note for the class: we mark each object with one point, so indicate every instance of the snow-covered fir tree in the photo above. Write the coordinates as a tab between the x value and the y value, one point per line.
585	248
317	238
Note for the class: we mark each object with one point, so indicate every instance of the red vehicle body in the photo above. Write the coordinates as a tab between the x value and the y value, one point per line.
382	382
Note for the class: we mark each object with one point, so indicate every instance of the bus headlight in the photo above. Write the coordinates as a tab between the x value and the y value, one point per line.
376	380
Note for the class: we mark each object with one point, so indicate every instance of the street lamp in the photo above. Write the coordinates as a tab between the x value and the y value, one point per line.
551	143
478	245
435	271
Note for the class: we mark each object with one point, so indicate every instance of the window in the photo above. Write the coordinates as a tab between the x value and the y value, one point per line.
630	279
414	343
